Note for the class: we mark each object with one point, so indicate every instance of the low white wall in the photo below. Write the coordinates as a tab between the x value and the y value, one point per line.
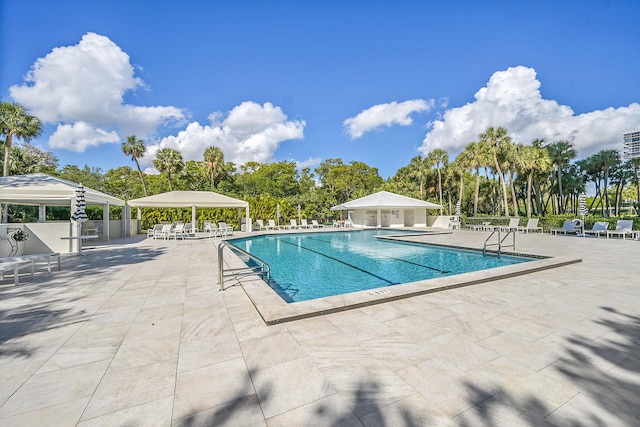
46	236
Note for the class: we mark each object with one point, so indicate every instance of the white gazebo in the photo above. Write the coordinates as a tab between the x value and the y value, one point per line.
42	190
384	209
192	199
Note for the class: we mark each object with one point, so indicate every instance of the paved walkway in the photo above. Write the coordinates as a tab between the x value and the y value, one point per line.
136	334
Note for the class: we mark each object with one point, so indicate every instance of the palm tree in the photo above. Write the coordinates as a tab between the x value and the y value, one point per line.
439	157
609	159
561	153
532	161
135	148
496	139
169	161
214	160
419	168
16	121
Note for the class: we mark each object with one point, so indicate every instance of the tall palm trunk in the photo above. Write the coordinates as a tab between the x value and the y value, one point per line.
503	184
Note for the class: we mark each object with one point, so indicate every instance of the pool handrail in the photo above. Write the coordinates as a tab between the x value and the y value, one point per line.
262	270
500	241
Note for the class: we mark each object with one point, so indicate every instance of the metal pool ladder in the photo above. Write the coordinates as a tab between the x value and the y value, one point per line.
263	269
500	241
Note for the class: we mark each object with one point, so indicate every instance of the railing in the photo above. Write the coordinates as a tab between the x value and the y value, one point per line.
263	270
500	241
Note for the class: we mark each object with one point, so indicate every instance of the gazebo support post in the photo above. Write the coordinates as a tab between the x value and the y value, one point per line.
105	221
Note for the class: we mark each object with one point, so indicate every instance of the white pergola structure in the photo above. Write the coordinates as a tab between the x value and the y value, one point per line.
385	209
192	199
42	190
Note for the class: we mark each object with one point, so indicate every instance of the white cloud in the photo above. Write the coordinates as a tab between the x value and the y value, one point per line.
512	99
80	136
390	114
249	132
309	163
86	83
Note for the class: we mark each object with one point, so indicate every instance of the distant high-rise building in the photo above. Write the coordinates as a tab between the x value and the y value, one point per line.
631	144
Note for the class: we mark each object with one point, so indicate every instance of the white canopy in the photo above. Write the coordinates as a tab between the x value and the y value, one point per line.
41	189
385	200
184	199
192	199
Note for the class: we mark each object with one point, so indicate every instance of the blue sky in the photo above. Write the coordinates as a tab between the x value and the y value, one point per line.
378	82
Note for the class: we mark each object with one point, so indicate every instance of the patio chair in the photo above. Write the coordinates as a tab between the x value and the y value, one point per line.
272	224
294	224
314	224
261	225
599	227
155	232
348	223
513	225
210	228
532	225
177	231
227	230
304	224
624	227
166	231
569	226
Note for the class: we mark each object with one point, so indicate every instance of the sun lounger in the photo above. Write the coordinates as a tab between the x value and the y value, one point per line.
226	230
314	224
485	225
293	223
513	225
624	227
165	233
600	227
155	231
261	225
15	264
272	224
532	225
569	226
304	224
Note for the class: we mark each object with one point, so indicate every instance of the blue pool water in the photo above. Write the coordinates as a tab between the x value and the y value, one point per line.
314	265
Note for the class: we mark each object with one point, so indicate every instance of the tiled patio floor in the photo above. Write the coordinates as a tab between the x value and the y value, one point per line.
136	333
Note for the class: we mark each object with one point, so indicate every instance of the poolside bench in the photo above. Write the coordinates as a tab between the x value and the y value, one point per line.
15	266
17	263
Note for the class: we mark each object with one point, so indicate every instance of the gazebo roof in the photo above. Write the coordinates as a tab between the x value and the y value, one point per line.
183	199
385	200
40	188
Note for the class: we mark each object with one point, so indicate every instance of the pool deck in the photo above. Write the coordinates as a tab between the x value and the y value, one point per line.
136	333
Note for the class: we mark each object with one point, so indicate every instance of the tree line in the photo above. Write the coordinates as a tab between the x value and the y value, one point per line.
491	176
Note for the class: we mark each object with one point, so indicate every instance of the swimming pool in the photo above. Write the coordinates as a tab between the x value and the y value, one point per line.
307	266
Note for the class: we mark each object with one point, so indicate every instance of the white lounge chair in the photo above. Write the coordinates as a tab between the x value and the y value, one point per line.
304	224
227	230
166	231
513	225
599	227
569	226
210	228
177	231
624	227
155	232
293	223
532	225
314	224
272	225
261	225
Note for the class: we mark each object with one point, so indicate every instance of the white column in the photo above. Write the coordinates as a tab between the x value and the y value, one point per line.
42	212
194	226
378	220
105	221
248	226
